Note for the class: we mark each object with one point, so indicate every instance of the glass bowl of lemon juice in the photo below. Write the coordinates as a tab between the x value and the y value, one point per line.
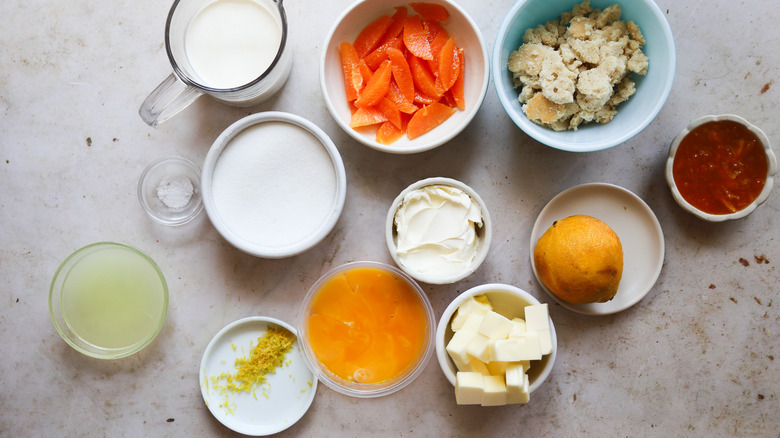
108	300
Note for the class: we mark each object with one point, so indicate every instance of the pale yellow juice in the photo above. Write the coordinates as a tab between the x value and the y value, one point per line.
114	298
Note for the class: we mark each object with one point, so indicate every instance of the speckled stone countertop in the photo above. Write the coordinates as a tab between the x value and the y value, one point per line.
698	356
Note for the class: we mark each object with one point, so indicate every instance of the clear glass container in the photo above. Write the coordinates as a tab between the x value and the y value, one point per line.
169	190
108	300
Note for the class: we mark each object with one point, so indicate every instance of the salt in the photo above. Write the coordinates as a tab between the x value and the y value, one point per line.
175	192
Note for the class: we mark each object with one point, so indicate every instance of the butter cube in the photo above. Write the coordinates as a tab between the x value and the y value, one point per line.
495	326
494	391
478	304
457	347
459	364
469	388
473	365
479	347
537	317
518	328
473	322
526	347
517	384
545	340
514	375
496	368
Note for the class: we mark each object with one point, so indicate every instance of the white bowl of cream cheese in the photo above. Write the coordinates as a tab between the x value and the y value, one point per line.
273	184
438	230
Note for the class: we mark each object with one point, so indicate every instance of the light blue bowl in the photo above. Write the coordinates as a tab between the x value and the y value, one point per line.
632	116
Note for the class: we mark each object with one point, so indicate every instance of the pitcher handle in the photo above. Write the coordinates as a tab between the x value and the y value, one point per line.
170	97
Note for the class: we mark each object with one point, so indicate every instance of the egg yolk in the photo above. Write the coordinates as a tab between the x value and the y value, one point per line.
367	325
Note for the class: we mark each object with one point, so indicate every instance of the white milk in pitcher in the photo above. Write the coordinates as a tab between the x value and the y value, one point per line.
230	43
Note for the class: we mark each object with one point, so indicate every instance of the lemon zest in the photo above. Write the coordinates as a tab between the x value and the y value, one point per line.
264	358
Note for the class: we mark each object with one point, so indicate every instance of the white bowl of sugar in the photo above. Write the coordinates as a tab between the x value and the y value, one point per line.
274	184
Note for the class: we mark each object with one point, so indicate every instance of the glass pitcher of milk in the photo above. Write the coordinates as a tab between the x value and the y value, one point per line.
235	51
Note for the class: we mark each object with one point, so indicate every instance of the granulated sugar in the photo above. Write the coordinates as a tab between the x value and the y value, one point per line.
274	184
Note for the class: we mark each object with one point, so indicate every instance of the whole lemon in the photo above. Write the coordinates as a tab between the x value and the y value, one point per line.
580	260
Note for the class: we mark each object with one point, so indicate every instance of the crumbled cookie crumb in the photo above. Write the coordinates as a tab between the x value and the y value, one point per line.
577	69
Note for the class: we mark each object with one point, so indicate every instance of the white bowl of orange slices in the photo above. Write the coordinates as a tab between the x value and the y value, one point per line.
404	77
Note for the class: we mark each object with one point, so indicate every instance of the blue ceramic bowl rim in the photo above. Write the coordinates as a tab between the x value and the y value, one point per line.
562	140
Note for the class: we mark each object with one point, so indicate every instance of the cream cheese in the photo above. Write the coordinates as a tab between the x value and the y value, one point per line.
436	230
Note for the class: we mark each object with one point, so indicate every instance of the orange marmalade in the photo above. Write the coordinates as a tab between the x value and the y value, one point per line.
720	167
367	325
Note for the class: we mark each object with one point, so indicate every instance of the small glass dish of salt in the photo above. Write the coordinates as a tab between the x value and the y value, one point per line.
169	190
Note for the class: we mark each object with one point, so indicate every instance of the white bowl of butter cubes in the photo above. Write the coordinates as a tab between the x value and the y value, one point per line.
496	344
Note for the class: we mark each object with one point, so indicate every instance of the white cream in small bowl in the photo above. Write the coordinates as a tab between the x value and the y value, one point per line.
438	230
274	184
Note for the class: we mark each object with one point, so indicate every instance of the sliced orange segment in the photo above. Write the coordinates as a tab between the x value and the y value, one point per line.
430	11
395	96
424	81
395	29
448	100
366	117
365	71
424	99
457	88
401	73
388	108
368	39
427	118
350	61
377	86
416	38
437	36
375	58
388	133
449	65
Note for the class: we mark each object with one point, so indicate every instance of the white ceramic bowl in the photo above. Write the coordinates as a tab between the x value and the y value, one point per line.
508	301
278	404
632	116
484	233
459	25
367	390
771	162
260	206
